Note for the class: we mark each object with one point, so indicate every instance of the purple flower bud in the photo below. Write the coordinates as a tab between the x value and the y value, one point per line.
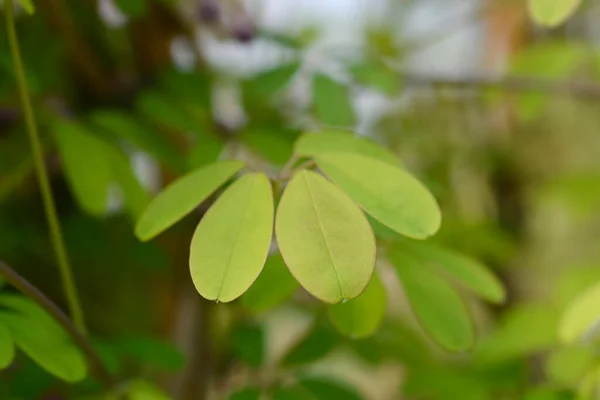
208	10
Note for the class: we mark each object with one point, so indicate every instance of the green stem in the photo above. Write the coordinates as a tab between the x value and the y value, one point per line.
56	237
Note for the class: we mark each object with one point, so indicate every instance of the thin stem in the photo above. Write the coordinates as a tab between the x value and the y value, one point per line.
44	183
36	295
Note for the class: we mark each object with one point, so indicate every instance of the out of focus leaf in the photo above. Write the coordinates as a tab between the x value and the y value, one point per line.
324	238
275	146
268	83
164	112
27	6
231	243
575	281
332	141
246	394
135	197
360	317
332	102
7	348
248	344
133	8
182	196
581	317
152	351
437	305
548	393
377	76
552	13
324	388
567	365
205	151
317	343
142	390
444	384
274	285
395	198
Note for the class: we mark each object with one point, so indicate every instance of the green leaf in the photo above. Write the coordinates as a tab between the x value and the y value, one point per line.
276	146
436	304
377	76
552	13
332	141
270	82
246	394
182	196
205	151
390	194
248	344
27	6
161	110
273	286
316	344
152	351
231	243
581	316
332	102
86	164
324	388
361	316
142	390
42	339
7	348
465	270
133	8
293	392
325	240
568	365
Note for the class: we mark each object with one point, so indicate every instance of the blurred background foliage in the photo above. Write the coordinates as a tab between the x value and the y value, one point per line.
499	117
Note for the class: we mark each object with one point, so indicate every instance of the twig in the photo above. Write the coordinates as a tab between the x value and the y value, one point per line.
36	295
42	174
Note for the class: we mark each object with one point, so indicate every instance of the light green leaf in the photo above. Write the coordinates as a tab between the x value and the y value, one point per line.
42	339
270	82
465	270
332	141
332	102
377	76
86	164
552	13
182	196
27	6
581	316
567	365
7	348
437	305
274	285
390	194
325	388
325	240
362	316
231	243
133	8
316	344
142	390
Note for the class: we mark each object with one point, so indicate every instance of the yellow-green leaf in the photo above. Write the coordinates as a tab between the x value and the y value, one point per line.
362	316
552	13
332	141
27	6
390	194
231	243
7	348
324	238
332	102
581	316
86	164
274	285
436	304
182	196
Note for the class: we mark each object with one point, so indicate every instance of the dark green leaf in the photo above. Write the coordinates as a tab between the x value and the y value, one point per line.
133	8
152	351
276	146
164	112
205	151
323	388
248	343
7	348
317	343
270	82
142	390
246	394
332	102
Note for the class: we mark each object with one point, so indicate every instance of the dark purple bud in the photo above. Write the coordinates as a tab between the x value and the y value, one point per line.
243	29
208	10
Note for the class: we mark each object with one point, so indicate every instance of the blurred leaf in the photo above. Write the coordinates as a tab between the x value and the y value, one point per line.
332	141
581	192
581	317
231	243
273	286
206	151
7	349
316	344
142	390
436	304
395	198
248	343
332	102
108	353
441	383
86	164
133	8
324	238
575	281
152	351
182	196
164	112
193	86
590	385
552	13
27	6
292	392
136	198
270	82
548	393
377	76
325	388
246	394
361	316
509	342
275	146
567	365
465	270
42	339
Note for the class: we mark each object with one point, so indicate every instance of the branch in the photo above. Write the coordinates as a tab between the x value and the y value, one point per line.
20	283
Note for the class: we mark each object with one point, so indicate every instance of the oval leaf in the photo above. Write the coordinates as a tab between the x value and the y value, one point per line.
331	141
465	270
390	194
86	164
332	102
231	243
325	240
362	316
582	316
436	304
274	285
552	13
182	196
7	348
316	344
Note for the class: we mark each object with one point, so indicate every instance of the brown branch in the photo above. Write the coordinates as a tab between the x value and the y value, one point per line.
20	283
